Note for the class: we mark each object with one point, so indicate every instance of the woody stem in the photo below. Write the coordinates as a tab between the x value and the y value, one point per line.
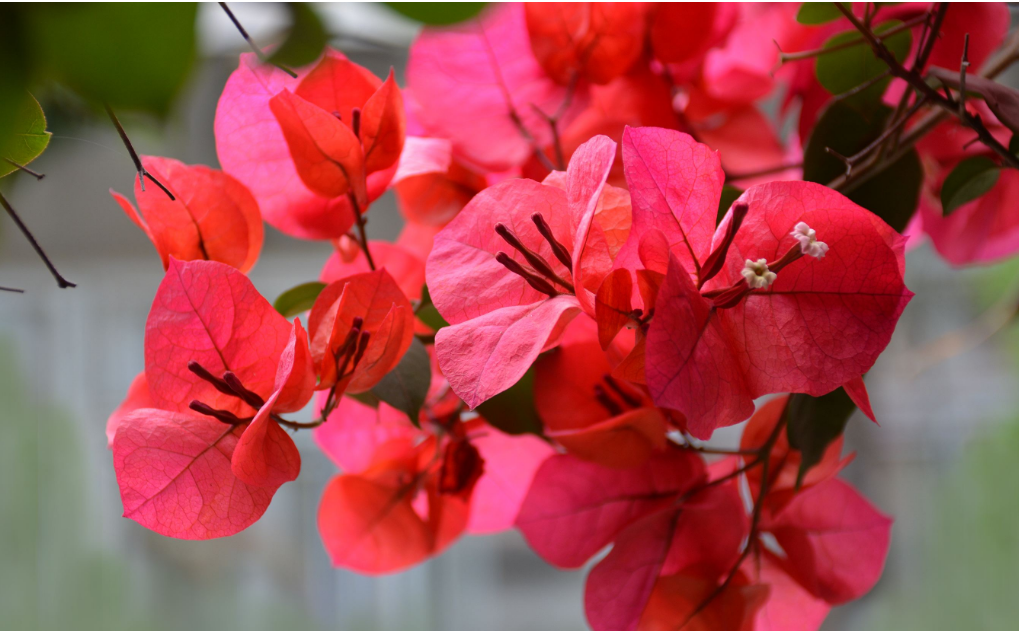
362	235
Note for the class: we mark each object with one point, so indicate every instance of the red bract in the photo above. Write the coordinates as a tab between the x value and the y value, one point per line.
137	397
835	541
682	32
479	85
252	147
576	508
175	475
667	543
211	314
509	273
214	217
406	268
360	327
789	607
675	601
431	187
591	40
818	324
594	415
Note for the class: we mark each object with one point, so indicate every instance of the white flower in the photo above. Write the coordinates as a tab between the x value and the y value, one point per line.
757	274
809	244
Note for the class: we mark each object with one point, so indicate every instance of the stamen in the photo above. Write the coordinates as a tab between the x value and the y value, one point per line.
343	354
362	345
757	274
607	402
537	282
809	245
205	375
628	397
539	264
713	264
355	121
245	395
558	249
220	415
730	297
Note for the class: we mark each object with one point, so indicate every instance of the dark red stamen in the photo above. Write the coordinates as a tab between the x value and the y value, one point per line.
249	397
362	346
628	397
355	121
205	375
533	280
713	264
794	253
220	415
607	402
730	297
558	249
539	264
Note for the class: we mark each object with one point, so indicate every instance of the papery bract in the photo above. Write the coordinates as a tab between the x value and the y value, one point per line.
386	326
835	541
511	463
210	313
175	478
789	607
500	321
213	216
406	268
591	40
251	146
575	508
821	324
479	83
675	601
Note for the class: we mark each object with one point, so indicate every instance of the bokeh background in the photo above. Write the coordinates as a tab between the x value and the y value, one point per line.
944	461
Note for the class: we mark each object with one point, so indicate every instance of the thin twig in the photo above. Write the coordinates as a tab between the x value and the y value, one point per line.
22	167
142	173
258	51
817	52
362	234
778	168
12	290
62	282
755	519
963	67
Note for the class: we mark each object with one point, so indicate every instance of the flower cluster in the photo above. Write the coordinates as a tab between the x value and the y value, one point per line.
569	311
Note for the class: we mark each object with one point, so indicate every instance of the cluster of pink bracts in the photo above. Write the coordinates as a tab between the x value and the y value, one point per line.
647	322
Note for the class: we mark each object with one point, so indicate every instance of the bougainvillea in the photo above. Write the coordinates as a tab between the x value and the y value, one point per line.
610	250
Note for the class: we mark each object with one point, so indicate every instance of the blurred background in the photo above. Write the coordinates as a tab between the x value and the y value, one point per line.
942	462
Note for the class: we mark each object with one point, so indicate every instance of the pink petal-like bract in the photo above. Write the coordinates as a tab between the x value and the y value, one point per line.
478	83
575	508
822	323
835	541
175	477
213	216
510	466
210	313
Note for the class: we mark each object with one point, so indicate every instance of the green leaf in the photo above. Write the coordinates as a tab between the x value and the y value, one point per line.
437	13
893	193
298	299
29	137
729	194
513	411
813	13
427	313
130	55
814	422
406	386
970	179
842	70
306	39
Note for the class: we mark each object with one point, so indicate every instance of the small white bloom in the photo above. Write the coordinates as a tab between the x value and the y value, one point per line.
809	244
757	274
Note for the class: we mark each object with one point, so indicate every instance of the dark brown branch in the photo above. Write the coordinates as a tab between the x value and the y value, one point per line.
62	282
258	51
362	234
14	290
22	167
142	173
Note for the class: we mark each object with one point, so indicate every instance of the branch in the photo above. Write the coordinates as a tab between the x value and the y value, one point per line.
62	282
362	234
142	173
22	167
258	51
